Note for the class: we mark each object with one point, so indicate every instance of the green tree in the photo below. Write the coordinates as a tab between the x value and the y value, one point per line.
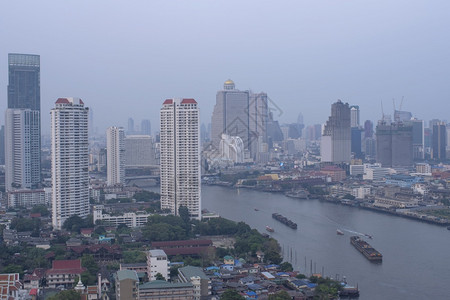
286	267
159	276
134	256
42	209
281	295
89	276
73	224
66	295
231	295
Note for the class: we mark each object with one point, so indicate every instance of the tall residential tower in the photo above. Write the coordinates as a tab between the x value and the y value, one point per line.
115	155
180	156
70	160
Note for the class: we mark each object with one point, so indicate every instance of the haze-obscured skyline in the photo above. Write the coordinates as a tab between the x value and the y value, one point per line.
124	59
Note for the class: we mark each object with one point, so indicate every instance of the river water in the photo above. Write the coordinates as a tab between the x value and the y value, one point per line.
416	256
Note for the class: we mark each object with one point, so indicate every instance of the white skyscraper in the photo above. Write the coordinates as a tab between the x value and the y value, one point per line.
180	156
115	149
70	160
22	149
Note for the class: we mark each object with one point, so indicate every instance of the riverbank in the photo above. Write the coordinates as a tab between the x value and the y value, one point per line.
352	203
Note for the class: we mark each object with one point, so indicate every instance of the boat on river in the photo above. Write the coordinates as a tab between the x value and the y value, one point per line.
284	220
367	250
339	232
269	229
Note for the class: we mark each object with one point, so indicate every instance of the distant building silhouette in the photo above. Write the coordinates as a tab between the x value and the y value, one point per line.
336	138
240	113
146	127
439	141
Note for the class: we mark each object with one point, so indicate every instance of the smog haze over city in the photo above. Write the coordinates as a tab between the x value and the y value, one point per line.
126	58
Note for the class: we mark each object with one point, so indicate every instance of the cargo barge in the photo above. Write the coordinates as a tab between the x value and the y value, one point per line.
367	250
284	220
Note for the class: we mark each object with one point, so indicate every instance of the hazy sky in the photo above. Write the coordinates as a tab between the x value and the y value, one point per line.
123	58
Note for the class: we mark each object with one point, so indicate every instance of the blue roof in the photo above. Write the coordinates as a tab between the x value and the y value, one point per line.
250	293
212	268
282	274
311	285
272	266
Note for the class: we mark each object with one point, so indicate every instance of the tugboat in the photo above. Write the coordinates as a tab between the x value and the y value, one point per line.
256	209
269	229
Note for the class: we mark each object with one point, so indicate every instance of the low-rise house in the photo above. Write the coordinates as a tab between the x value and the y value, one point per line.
33	280
64	272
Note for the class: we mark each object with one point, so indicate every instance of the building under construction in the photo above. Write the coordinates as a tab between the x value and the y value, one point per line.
394	144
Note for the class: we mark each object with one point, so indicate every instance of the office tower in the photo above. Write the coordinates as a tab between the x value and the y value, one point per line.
146	128
368	129
130	126
354	116
24	89
336	138
418	139
24	96
139	151
22	149
115	153
240	113
356	144
180	156
439	141
447	149
70	160
394	144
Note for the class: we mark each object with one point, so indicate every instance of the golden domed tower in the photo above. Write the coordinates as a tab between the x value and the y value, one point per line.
228	85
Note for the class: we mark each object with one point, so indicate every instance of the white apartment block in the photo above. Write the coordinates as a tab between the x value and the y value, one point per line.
29	198
130	219
157	262
22	149
70	160
115	153
180	156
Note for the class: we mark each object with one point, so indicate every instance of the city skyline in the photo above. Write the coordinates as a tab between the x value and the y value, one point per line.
317	53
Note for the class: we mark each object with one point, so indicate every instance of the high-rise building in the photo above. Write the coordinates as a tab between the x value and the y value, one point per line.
402	116
131	129
394	144
70	160
23	157
2	145
439	141
180	156
240	113
354	116
336	138
22	149
139	151
368	129
115	151
418	139
146	127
